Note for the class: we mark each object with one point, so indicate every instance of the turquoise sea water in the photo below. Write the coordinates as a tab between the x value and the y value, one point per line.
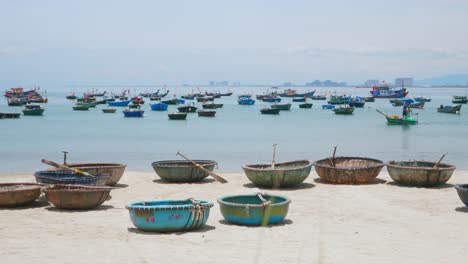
237	135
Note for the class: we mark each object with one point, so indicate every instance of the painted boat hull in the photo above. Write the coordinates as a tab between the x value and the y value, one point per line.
66	177
328	106
114	170
109	111
398	121
33	112
81	107
349	170
76	197
177	116
119	103
450	109
462	190
419	173
212	106
305	105
169	215
181	170
285	174
133	113
159	107
282	107
187	109
344	111
246	102
206	113
18	194
270	111
249	210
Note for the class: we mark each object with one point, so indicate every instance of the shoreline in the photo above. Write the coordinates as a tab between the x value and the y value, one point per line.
326	224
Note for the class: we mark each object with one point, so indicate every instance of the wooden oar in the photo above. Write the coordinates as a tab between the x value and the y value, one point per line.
65	157
64	167
267	209
438	163
214	175
332	159
274	156
378	111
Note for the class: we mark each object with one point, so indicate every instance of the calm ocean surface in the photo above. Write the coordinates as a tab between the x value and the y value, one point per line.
237	135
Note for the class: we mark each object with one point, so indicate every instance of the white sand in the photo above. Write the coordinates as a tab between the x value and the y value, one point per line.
379	223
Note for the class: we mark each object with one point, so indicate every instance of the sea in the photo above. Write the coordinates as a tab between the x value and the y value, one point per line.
238	134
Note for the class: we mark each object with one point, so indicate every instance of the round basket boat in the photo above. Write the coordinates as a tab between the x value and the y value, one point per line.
115	170
67	177
462	190
419	173
182	170
169	215
76	197
250	209
18	194
348	170
284	174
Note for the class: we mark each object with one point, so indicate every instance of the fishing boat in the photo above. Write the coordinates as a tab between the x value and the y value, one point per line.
396	120
462	190
328	106
293	93
418	105
90	105
420	173
449	109
344	110
67	177
368	99
71	97
319	97
226	94
155	98
17	102
278	175
271	99
134	106
299	100
254	210
282	107
183	170
174	101
356	102
177	116
109	110
212	106
338	100
206	113
32	106
401	102
18	194
119	103
187	109
385	91
169	215
159	107
245	101
348	170
422	99
305	105
114	171
133	112
83	107
33	111
9	115
76	197
205	99
460	97
270	111
138	100
460	100
188	97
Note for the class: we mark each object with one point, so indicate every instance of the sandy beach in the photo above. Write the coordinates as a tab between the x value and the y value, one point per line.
376	223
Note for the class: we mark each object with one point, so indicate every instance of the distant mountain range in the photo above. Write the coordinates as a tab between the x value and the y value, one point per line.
447	80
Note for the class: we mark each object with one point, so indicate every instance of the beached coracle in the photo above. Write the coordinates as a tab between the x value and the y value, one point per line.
76	197
419	173
67	177
348	170
114	170
182	170
462	190
254	210
169	215
18	194
284	174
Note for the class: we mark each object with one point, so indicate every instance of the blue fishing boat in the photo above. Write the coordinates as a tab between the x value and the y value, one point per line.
246	101
133	112
159	107
271	99
119	103
169	215
385	91
356	102
400	102
299	100
422	99
328	106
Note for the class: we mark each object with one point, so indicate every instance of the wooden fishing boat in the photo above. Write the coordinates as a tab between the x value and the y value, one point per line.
270	111
71	97
356	103
299	100
169	215
133	112
344	110
396	120
188	97
155	98
205	99
419	105
182	170
9	115
282	107
76	197
134	106
348	170
159	107
187	109
212	106
462	190
460	97
174	101
281	175
319	97
177	116
245	101
368	99
119	103
32	106
114	171
252	210
18	194
226	94
138	100
305	105
271	99
449	109
33	112
328	106
419	173
66	177
109	110
293	93
206	113
81	107
422	99
460	101
89	104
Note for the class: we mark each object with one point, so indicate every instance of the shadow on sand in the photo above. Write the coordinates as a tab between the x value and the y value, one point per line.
285	222
374	181
442	186
301	186
204	181
203	229
99	208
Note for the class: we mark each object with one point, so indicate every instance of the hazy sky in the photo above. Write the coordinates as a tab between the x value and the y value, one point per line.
251	41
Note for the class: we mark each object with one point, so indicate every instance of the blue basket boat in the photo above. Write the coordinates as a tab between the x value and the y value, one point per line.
159	107
133	112
246	101
119	103
328	106
169	215
67	177
252	211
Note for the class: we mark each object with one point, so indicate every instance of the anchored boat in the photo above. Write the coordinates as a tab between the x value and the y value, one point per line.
449	109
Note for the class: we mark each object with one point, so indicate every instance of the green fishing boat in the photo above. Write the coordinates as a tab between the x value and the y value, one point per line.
396	120
83	107
87	104
281	107
344	110
460	100
285	174
33	112
305	105
337	101
460	97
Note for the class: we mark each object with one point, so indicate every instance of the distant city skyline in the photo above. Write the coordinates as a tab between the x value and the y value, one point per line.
255	42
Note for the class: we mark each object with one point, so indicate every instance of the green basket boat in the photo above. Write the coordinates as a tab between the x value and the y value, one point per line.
81	107
282	107
305	105
344	110
33	112
396	120
283	174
